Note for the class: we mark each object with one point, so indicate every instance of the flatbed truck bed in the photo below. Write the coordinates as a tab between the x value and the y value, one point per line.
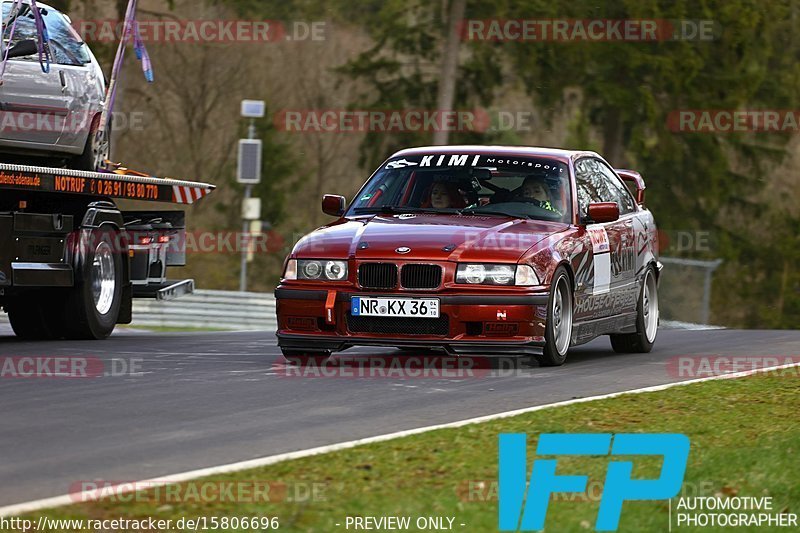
71	261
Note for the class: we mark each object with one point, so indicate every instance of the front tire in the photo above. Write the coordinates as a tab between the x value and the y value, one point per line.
558	328
647	317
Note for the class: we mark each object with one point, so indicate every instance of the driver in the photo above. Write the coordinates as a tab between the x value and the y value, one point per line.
534	189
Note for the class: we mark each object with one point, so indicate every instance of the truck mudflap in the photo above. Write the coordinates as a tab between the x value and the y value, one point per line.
168	290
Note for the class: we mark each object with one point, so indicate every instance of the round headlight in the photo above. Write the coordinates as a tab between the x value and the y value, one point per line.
312	269
502	274
335	270
474	273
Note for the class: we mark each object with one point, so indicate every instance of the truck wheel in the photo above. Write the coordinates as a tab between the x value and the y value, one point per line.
33	316
96	151
93	304
558	328
646	320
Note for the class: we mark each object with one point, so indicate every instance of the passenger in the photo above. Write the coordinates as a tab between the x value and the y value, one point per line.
444	195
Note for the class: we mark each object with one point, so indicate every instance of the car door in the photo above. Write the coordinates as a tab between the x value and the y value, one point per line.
598	291
623	254
33	106
82	86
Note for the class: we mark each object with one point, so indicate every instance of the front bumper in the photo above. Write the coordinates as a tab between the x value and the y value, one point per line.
469	323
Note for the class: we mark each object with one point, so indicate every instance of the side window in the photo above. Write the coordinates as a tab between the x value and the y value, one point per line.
25	29
619	190
591	184
66	45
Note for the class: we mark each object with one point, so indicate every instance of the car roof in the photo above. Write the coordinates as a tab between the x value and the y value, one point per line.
512	151
38	4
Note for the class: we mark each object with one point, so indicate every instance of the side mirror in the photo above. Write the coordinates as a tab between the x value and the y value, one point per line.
23	48
603	212
333	205
634	181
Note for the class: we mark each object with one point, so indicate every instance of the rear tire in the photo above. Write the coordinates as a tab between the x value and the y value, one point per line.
93	304
558	328
96	151
647	317
33	316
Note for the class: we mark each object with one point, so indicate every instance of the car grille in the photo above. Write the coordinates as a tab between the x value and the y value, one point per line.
413	276
377	275
398	326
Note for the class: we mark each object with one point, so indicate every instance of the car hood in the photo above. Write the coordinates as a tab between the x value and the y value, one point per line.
432	237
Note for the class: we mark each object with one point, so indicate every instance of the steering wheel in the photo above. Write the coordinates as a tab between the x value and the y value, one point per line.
500	195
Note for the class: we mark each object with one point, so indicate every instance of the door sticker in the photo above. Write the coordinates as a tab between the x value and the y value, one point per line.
601	258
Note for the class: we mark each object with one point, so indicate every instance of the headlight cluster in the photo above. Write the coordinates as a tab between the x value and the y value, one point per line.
488	274
321	269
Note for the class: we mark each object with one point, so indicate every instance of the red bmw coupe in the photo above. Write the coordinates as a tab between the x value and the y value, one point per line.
478	250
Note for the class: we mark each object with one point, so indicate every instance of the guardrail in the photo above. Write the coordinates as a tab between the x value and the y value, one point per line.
254	310
685	289
231	310
209	309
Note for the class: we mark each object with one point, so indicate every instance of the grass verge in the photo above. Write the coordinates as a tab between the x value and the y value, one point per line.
744	441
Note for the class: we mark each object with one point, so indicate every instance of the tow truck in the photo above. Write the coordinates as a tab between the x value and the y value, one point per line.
71	261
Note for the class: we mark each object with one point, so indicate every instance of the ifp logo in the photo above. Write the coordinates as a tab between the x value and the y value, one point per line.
516	512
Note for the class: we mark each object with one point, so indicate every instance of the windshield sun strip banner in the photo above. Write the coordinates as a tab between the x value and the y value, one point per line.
475	160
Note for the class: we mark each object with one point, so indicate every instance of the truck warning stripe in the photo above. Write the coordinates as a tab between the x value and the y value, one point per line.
188	195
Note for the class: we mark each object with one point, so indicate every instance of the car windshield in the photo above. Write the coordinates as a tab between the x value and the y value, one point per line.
485	185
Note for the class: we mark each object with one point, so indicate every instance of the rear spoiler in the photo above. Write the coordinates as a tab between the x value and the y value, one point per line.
633	179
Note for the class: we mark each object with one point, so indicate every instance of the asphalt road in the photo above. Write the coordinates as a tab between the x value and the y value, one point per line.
199	400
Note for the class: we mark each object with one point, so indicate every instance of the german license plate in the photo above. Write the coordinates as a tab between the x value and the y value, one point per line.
394	307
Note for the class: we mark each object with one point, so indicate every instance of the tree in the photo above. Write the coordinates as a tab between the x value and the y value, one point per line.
618	97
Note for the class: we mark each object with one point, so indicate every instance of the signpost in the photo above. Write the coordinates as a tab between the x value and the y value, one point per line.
248	173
